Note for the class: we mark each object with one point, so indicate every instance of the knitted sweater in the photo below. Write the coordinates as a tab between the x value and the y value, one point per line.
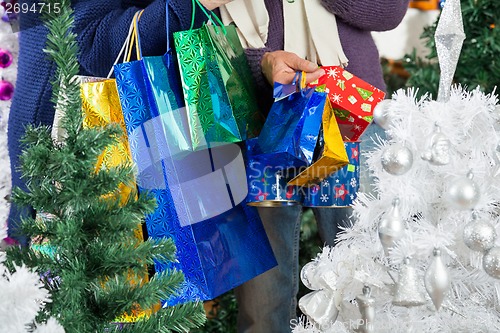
355	20
101	27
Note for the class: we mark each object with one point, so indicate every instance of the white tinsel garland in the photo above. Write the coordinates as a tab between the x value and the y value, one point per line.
471	304
22	297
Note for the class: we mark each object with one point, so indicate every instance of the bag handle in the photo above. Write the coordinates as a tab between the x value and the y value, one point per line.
136	41
126	45
167	27
209	16
299	80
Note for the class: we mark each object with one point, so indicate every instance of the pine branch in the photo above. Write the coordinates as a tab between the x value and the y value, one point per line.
119	295
91	214
181	318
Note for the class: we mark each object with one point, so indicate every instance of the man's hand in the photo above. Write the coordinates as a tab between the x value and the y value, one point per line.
212	4
281	66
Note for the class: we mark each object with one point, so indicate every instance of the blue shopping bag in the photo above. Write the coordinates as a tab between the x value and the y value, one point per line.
268	175
293	123
221	243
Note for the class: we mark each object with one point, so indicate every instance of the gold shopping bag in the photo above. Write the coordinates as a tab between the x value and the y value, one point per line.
333	155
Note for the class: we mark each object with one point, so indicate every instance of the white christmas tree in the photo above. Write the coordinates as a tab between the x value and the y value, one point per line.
23	296
423	254
9	49
435	204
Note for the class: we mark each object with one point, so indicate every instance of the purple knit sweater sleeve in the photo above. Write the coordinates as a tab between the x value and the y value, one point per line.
370	15
102	28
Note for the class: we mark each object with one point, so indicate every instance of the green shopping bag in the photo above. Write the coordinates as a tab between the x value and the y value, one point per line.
217	84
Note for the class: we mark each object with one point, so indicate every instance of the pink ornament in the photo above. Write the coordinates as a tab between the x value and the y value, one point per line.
10	241
5	58
6	90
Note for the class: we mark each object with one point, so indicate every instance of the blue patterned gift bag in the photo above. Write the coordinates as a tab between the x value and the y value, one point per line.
339	189
293	123
268	175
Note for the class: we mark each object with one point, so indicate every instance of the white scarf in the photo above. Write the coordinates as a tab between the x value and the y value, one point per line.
310	30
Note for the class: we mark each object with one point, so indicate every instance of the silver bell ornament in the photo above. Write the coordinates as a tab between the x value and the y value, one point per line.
438	152
397	159
491	262
391	227
366	305
463	193
437	280
320	307
407	291
381	114
479	235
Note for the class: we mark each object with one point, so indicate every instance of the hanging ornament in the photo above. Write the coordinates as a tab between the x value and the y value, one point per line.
367	309
437	280
5	17
6	90
449	37
491	262
320	307
397	159
464	193
407	289
5	58
438	152
391	227
479	235
381	114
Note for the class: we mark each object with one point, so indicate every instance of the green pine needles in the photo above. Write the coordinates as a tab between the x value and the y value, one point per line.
90	226
478	65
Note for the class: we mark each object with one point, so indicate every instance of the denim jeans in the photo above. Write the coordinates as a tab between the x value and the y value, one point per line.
268	302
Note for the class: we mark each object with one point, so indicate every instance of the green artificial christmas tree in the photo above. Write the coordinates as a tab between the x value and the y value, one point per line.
97	260
478	64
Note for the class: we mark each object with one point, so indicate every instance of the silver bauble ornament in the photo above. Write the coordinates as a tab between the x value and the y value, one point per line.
437	280
391	227
438	152
397	159
463	193
320	307
366	305
479	235
381	114
491	262
408	291
309	276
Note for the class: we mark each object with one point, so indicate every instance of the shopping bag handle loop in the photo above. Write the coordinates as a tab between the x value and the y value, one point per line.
167	27
123	54
136	41
210	16
299	80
